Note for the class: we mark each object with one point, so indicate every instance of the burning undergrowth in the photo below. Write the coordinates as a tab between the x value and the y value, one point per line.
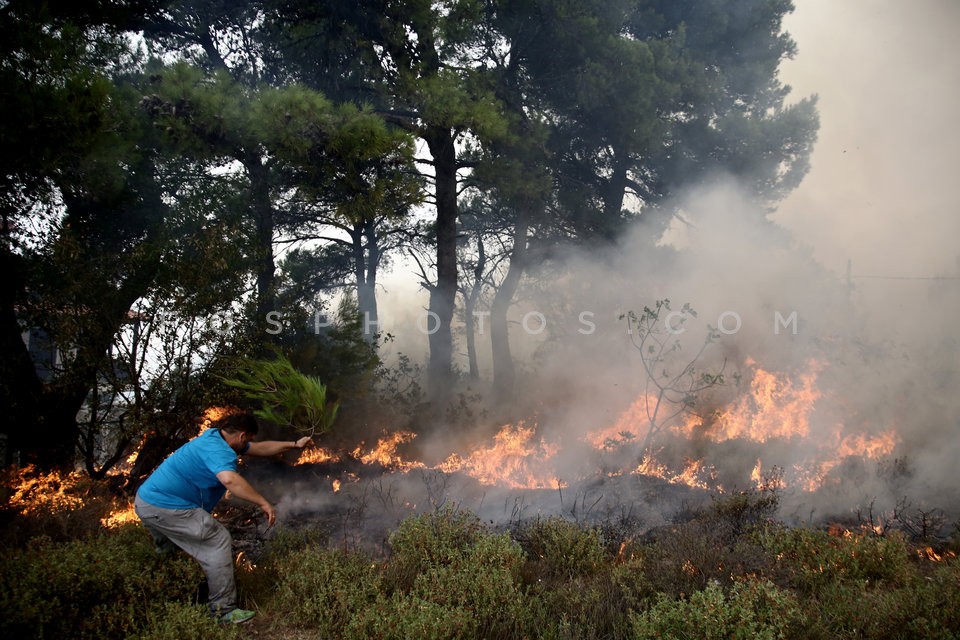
775	432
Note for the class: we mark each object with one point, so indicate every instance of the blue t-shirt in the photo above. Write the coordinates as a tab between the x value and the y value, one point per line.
187	479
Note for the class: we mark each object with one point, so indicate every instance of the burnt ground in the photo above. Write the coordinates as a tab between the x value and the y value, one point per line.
371	501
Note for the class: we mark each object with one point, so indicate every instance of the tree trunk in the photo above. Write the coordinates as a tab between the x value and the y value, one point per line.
613	197
261	208
443	295
470	299
504	373
48	436
366	273
19	384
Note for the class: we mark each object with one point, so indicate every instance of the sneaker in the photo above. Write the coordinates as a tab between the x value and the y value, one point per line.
237	616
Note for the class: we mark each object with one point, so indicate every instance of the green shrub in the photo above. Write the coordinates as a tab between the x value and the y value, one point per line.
98	587
403	617
731	516
749	610
324	589
560	549
178	621
484	580
925	608
427	540
688	557
257	581
455	580
590	606
810	559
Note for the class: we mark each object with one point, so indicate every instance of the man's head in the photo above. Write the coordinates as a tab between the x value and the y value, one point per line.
238	429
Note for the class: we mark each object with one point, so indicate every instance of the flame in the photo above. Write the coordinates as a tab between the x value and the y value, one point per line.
694	474
775	407
212	414
120	517
631	425
385	453
928	553
812	474
514	459
36	492
317	455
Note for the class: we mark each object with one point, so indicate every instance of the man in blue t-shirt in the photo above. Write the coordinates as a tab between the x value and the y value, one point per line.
174	503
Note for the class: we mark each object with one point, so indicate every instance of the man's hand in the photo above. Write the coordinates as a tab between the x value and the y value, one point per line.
270	512
242	489
273	447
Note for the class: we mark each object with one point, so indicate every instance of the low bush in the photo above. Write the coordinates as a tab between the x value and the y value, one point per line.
593	606
729	572
449	578
179	621
749	610
324	589
430	539
97	587
560	550
809	559
923	608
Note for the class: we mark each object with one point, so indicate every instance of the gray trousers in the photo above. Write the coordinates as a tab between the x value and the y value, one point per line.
204	539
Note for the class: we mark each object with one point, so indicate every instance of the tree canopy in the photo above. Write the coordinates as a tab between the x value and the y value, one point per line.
209	157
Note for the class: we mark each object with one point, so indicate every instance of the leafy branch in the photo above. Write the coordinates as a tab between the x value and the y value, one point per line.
672	381
286	397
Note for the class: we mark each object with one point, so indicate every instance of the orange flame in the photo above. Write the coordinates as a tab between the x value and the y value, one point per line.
385	453
514	460
775	407
695	474
212	414
119	518
317	455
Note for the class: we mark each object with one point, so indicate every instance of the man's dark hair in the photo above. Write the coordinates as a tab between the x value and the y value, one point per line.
236	422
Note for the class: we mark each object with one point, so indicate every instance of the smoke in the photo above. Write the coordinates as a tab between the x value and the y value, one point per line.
854	277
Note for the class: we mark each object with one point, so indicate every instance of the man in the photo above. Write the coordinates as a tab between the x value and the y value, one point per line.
174	503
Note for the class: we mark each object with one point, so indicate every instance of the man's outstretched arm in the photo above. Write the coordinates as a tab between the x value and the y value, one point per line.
238	486
273	447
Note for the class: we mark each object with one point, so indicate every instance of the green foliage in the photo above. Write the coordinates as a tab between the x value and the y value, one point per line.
716	545
449	579
924	608
97	587
431	539
561	550
592	606
812	559
404	617
749	610
323	589
178	621
732	515
285	396
342	355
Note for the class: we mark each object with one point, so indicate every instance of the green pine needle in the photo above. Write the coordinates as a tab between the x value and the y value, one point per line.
286	397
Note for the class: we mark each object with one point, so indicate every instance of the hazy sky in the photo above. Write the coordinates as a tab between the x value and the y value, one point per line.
882	190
